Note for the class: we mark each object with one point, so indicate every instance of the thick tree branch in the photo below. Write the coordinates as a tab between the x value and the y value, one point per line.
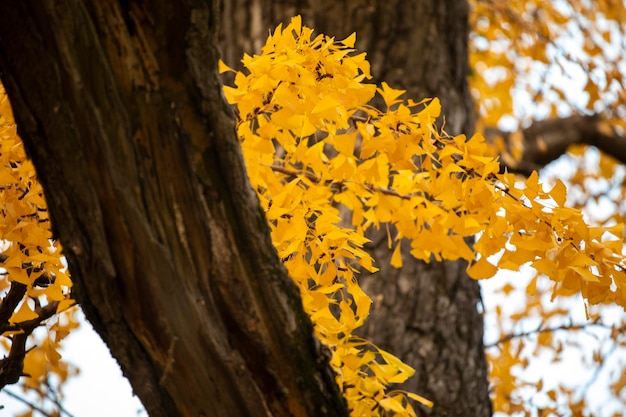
10	301
12	367
546	140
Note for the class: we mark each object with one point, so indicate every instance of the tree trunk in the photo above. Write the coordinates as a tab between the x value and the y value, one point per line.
119	106
427	314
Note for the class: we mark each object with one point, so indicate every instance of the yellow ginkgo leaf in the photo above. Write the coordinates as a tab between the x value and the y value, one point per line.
420	399
222	67
24	313
396	258
482	269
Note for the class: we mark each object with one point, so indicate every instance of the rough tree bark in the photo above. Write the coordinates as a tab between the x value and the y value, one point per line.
425	313
119	105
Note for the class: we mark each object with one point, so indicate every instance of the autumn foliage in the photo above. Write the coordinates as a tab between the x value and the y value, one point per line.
327	165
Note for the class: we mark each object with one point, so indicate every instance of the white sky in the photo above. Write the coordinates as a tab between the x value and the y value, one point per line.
99	390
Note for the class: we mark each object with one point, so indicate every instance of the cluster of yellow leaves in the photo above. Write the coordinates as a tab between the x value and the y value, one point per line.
297	87
25	233
312	144
46	371
558	331
29	256
596	183
559	58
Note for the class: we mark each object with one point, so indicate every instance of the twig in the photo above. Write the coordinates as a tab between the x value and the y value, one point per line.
538	330
29	404
597	372
316	179
52	394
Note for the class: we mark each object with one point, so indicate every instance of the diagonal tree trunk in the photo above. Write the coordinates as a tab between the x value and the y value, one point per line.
425	313
119	106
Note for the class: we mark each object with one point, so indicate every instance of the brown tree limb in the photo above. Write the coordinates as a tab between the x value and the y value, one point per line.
10	301
546	140
12	366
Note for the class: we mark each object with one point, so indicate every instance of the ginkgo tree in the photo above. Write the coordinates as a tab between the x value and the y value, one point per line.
312	142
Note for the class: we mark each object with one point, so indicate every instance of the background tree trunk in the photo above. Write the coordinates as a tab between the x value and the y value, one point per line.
427	314
119	105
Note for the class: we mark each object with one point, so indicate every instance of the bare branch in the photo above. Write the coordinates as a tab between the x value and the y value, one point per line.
12	367
601	366
28	403
540	329
546	140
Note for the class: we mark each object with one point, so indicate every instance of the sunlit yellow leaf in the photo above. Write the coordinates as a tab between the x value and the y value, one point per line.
19	275
420	399
482	269
222	67
585	274
392	404
350	40
389	95
65	304
396	258
558	193
24	313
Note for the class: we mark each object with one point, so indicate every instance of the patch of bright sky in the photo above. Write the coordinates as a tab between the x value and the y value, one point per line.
99	390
